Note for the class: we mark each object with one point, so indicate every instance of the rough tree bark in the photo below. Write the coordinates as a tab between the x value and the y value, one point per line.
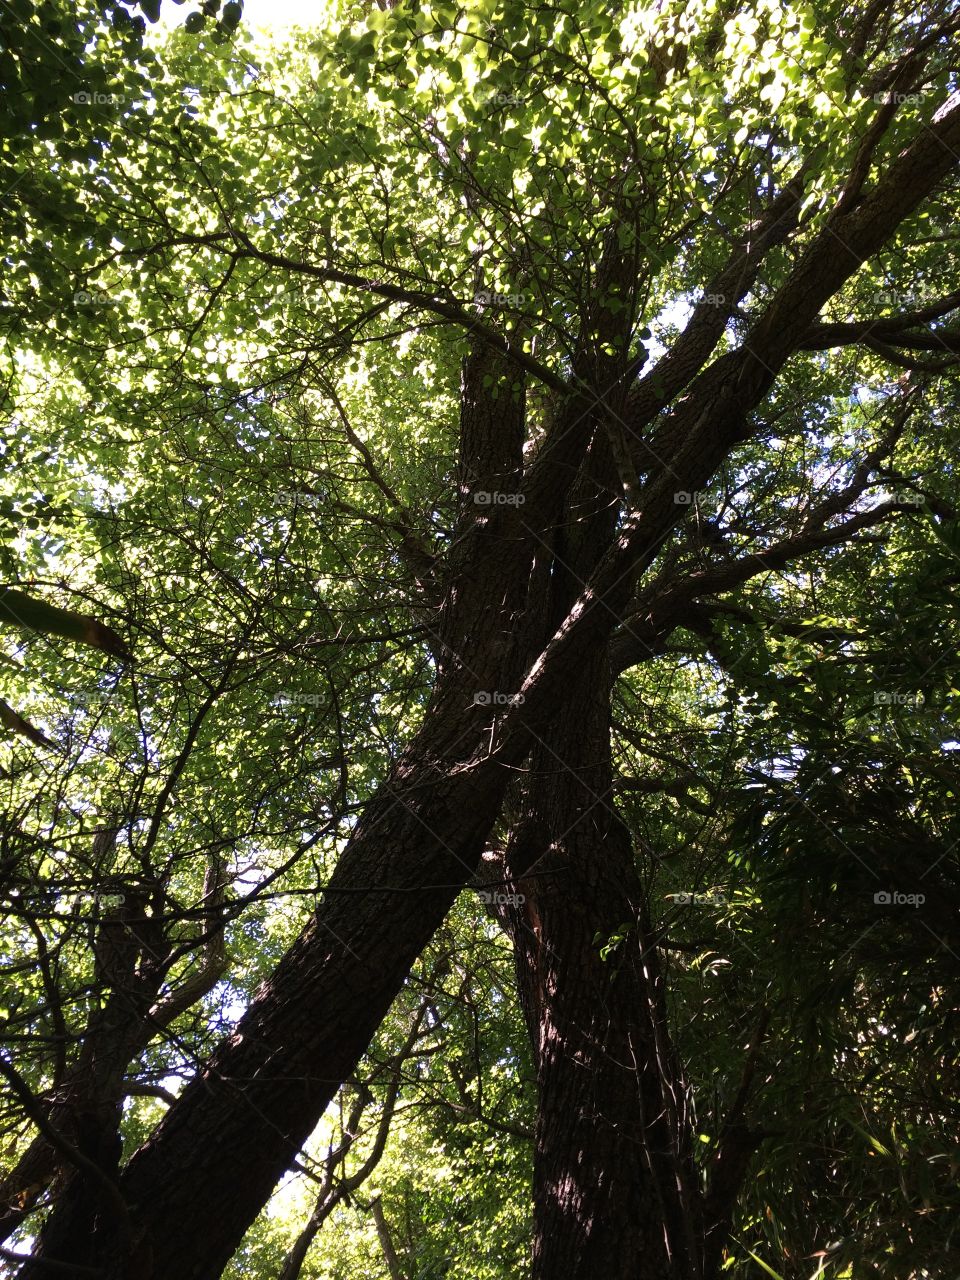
614	1187
614	1191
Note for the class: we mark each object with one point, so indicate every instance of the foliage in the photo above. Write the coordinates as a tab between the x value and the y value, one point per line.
240	284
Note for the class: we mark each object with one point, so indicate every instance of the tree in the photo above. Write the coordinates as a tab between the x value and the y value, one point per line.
761	195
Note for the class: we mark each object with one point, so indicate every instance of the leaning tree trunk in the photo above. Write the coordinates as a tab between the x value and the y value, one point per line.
266	1088
418	841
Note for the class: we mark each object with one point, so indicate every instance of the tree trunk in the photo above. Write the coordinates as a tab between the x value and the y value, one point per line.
386	1240
616	1188
613	1183
132	955
239	1125
614	1192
